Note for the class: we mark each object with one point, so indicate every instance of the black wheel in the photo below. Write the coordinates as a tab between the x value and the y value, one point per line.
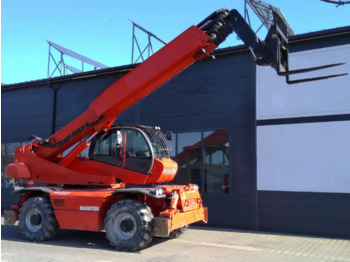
128	225
37	221
178	232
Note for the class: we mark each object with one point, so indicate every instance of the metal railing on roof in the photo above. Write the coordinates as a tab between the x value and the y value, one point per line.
60	64
147	51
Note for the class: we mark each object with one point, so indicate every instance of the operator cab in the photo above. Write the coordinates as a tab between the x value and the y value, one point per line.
138	146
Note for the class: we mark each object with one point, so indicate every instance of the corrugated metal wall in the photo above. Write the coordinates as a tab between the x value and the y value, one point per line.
25	112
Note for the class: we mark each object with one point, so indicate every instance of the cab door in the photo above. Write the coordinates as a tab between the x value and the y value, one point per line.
109	148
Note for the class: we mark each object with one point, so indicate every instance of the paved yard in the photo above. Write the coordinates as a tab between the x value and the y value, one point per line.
197	244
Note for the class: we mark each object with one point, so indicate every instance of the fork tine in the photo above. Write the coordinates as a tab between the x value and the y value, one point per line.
312	79
310	69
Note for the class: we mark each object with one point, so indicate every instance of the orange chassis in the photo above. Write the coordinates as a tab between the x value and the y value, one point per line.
172	206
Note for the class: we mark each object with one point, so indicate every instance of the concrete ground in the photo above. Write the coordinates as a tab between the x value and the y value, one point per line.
197	244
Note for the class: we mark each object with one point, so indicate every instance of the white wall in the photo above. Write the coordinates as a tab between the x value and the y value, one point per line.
276	99
307	157
312	157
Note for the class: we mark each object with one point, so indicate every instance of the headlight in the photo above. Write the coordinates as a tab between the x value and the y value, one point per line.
159	191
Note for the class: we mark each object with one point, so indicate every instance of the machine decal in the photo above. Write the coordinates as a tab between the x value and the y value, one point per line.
89	208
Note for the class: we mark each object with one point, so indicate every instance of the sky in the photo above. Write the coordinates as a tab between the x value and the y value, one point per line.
101	30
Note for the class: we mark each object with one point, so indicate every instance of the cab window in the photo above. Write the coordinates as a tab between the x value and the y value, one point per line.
109	147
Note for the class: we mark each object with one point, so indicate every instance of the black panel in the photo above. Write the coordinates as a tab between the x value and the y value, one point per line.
8	198
336	37
74	97
325	214
229	212
203	92
301	120
25	112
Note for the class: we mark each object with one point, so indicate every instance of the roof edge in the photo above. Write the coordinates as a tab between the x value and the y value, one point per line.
219	52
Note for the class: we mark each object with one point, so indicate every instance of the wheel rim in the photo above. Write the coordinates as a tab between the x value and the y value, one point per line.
125	226
34	219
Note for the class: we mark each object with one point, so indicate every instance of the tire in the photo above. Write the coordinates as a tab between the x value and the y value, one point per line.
178	232
37	221
128	225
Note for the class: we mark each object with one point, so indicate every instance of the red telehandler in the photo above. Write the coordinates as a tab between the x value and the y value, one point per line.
108	190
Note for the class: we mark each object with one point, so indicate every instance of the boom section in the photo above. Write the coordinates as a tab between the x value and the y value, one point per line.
191	45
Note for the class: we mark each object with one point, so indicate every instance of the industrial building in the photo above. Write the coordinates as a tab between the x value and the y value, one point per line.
266	155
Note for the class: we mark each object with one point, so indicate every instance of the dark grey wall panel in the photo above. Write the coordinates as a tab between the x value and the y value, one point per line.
229	211
8	199
338	38
213	95
325	214
74	97
25	112
210	91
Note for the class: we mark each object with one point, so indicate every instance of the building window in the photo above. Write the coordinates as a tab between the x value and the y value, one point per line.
216	162
203	159
189	158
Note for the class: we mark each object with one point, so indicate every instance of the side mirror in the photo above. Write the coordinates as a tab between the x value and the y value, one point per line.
119	138
169	135
121	143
